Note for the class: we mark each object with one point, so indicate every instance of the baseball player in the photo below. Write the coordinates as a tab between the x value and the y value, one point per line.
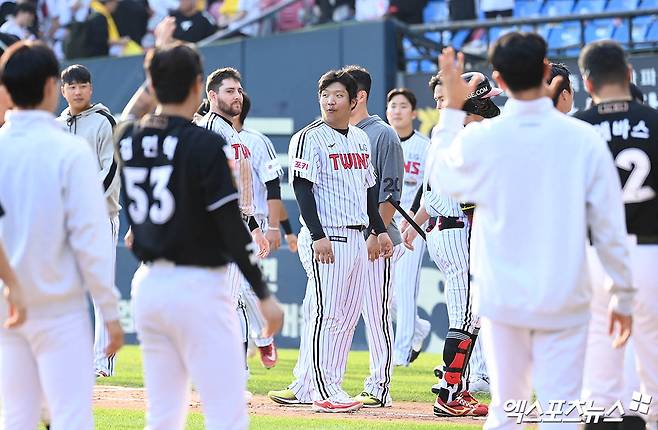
388	161
631	132
55	233
448	241
224	92
533	318
333	180
184	212
267	201
95	124
563	99
411	330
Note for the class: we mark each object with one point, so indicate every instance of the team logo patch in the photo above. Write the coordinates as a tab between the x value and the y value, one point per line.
300	164
272	165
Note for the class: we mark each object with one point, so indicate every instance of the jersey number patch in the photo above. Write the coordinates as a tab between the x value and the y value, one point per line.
638	163
142	192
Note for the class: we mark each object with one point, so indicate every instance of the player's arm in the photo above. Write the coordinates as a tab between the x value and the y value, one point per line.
391	169
90	239
13	293
288	233
274	210
141	103
108	175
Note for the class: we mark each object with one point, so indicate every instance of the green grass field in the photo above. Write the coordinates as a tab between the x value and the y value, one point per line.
408	384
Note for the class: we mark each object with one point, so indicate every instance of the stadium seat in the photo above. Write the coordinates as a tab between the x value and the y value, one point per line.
427	66
589	6
621	5
652	34
458	38
649	4
640	26
496	32
557	7
435	11
599	29
564	35
527	8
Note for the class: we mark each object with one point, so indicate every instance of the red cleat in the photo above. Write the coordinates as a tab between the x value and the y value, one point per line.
268	355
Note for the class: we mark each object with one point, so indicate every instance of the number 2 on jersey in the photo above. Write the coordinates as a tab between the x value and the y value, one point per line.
638	163
139	191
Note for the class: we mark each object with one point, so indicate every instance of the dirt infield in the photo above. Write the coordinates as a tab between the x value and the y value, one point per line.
113	397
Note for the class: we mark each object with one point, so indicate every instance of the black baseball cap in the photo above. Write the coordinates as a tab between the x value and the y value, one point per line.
479	101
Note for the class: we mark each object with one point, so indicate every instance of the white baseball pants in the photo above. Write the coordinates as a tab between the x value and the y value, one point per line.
103	362
449	249
604	379
330	311
377	301
520	359
188	331
49	357
405	309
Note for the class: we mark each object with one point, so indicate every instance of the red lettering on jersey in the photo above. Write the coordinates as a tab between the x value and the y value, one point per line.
350	160
301	165
412	167
237	147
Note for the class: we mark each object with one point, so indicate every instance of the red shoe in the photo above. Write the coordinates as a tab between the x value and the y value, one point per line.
336	407
481	410
268	355
457	408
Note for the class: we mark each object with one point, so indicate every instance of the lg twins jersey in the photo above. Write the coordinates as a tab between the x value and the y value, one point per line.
238	153
265	165
414	149
339	167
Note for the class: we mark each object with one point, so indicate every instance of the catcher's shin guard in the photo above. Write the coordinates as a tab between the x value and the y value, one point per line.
456	351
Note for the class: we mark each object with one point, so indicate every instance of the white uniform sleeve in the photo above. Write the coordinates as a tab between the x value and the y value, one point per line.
451	167
266	162
108	175
606	220
89	234
303	157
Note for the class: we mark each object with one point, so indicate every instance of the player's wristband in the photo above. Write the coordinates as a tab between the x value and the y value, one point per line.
272	229
253	224
285	225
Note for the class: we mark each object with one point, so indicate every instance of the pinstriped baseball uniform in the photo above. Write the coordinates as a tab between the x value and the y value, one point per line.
407	270
449	249
266	167
388	162
339	167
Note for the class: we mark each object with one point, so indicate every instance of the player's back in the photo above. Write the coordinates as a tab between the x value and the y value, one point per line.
631	131
174	174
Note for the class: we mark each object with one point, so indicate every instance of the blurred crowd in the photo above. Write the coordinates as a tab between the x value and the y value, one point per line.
91	28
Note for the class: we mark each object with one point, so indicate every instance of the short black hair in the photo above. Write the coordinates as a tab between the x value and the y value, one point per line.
603	62
246	107
340	76
216	78
361	76
560	69
173	70
25	7
435	81
404	92
24	70
519	58
76	74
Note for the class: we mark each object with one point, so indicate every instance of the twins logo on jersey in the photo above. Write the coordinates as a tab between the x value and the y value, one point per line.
240	148
412	167
350	160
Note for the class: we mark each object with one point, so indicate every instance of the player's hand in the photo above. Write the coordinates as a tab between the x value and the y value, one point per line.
625	323
273	314
115	332
129	238
292	242
262	242
386	245
551	90
323	252
17	313
164	31
455	89
374	247
274	238
405	224
409	236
